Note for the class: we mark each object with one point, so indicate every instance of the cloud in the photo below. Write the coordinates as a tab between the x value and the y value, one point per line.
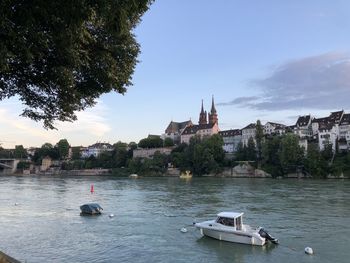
318	82
239	101
91	125
91	121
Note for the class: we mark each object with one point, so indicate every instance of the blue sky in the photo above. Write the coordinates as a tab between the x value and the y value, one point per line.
267	60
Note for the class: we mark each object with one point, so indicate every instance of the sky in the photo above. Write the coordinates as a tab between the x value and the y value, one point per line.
270	60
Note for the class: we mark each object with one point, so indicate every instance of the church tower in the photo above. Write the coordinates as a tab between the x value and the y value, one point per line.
213	116
202	116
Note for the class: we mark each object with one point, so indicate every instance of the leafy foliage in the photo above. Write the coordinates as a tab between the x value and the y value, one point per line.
201	156
63	148
19	152
291	154
246	153
47	149
151	142
60	56
259	137
168	142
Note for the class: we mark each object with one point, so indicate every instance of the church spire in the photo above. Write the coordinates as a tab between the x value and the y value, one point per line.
213	110
202	111
213	116
202	116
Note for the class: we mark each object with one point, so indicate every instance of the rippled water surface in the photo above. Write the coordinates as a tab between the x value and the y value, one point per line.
40	219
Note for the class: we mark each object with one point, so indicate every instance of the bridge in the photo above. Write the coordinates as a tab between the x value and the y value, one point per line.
8	165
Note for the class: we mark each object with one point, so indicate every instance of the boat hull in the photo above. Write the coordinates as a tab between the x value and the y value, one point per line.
233	237
230	234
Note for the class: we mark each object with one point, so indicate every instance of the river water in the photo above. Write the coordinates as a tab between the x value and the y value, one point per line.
40	219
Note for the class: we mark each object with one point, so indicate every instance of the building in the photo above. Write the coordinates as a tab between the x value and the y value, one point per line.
174	130
149	153
272	128
316	123
344	133
46	163
96	149
303	127
327	134
331	130
202	130
336	116
248	132
231	140
206	126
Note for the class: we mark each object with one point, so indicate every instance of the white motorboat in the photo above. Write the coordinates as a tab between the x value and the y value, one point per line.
229	226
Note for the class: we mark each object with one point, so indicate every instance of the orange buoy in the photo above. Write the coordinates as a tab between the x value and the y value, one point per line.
92	188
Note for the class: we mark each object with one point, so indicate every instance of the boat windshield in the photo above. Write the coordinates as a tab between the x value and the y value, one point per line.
226	221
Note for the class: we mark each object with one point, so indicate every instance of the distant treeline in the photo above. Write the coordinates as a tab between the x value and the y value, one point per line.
278	155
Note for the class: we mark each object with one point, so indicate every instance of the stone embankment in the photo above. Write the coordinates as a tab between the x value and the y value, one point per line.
83	172
244	171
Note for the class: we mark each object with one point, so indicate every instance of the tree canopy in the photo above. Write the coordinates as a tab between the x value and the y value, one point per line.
63	148
59	56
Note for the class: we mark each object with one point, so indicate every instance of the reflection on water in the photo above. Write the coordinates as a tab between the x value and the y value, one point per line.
232	252
149	213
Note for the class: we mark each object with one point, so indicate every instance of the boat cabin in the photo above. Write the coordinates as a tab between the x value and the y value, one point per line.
231	219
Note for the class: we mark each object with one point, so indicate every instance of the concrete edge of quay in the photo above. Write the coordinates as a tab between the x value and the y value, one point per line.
7	259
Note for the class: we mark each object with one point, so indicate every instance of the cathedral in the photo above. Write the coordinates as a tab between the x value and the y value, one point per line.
212	116
207	125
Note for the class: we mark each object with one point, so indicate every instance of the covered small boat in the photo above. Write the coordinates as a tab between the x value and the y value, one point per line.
91	209
229	226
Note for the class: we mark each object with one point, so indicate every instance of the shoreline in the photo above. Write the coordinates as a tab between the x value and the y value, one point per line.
109	173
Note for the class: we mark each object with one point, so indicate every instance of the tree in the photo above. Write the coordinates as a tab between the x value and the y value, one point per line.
270	156
251	150
120	145
314	163
46	150
60	56
291	154
151	141
76	153
132	145
121	157
168	142
19	152
259	136
240	154
63	148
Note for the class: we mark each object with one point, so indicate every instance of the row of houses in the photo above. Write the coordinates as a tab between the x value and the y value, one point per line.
331	130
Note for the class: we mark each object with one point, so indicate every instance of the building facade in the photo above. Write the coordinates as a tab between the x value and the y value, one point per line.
174	130
272	128
231	140
96	149
248	131
206	126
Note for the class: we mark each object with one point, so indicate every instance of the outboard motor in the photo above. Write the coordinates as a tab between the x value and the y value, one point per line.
263	233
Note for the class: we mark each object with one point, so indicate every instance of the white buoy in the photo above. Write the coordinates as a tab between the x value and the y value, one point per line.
183	230
111	215
16	203
309	251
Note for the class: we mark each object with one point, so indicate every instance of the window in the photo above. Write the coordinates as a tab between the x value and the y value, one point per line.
226	221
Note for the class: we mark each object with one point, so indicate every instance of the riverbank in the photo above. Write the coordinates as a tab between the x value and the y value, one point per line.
239	171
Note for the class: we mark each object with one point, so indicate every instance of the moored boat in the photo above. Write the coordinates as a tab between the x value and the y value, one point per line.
186	175
91	209
228	226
